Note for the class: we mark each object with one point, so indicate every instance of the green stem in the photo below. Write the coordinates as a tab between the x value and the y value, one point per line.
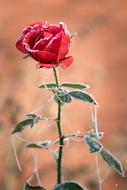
56	77
59	160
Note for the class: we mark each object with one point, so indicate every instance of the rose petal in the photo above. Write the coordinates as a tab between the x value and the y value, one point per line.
34	26
43	56
47	34
26	30
54	29
47	44
20	46
65	30
66	62
39	25
30	38
54	44
64	47
42	43
45	65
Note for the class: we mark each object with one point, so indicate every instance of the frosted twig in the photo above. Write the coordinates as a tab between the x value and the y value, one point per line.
104	178
47	76
67	141
48	118
22	139
30	178
51	98
35	159
37	109
68	136
16	156
98	172
94	119
92	114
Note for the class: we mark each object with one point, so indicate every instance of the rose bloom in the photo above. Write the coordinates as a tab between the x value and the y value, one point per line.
48	44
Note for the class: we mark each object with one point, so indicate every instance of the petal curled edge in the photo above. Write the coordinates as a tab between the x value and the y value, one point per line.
43	56
64	47
66	62
41	44
46	65
65	30
20	46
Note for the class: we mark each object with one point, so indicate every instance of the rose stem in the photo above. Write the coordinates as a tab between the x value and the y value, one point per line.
59	160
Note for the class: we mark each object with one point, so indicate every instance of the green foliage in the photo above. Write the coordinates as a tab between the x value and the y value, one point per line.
57	99
63	96
69	186
31	115
48	85
74	85
23	124
83	96
112	161
54	155
29	122
95	136
43	144
94	146
92	140
65	84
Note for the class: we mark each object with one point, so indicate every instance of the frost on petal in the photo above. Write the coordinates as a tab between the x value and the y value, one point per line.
32	37
41	44
47	44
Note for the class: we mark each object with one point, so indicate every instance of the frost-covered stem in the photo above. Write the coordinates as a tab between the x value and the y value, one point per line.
59	160
96	155
98	172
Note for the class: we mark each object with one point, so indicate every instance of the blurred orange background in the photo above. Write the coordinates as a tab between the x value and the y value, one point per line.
100	60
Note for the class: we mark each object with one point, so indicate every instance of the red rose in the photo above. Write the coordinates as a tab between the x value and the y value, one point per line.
46	43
